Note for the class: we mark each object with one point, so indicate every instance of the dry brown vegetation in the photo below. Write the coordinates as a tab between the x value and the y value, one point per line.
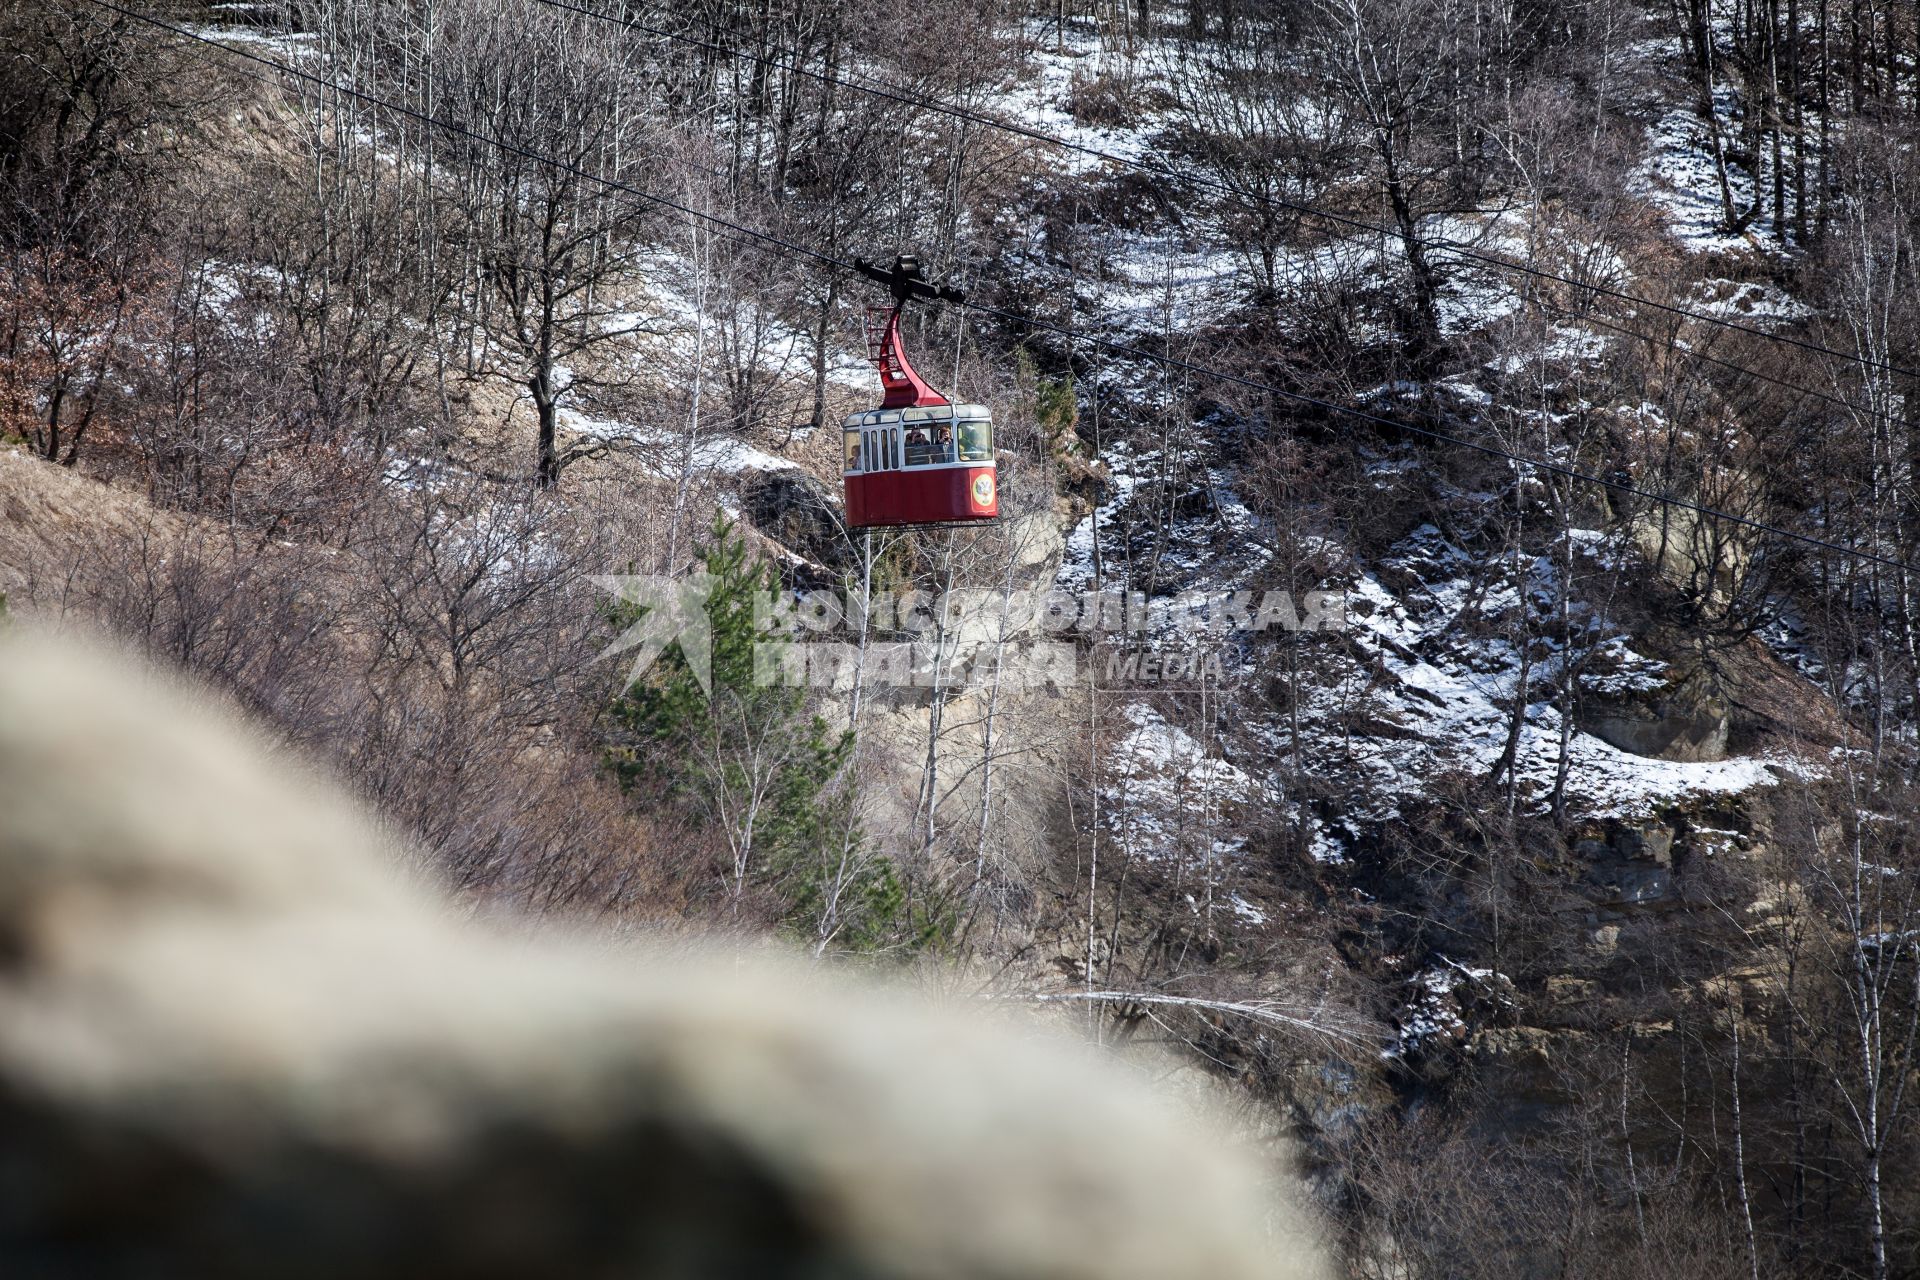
341	410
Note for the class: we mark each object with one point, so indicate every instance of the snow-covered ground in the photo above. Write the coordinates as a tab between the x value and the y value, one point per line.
1423	660
1063	64
1453	705
669	455
1425	664
1426	669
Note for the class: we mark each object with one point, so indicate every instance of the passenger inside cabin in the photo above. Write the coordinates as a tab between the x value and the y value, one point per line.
919	448
943	450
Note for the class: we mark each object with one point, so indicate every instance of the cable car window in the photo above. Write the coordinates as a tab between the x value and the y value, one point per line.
976	440
853	451
919	446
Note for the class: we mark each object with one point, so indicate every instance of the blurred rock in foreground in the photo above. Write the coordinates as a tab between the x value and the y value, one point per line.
234	1041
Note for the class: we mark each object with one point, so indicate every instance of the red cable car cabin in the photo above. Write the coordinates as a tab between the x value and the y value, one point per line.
917	459
920	465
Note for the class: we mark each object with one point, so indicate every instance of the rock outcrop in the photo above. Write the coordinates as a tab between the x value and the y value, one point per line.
236	1041
1684	715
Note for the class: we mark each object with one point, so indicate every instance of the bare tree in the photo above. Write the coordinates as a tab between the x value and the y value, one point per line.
530	118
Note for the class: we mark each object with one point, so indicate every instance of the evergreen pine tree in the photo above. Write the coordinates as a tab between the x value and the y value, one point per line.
750	753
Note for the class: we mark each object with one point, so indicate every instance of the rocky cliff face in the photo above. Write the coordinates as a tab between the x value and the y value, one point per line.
1684	715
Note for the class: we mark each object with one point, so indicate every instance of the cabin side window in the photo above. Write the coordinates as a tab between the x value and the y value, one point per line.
975	438
880	449
854	460
929	444
917	438
928	437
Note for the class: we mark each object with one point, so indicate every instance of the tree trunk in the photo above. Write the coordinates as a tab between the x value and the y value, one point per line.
546	471
1423	344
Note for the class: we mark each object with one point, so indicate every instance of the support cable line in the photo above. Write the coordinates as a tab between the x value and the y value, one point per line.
1353	226
400	109
908	97
1694	353
1606	322
750	237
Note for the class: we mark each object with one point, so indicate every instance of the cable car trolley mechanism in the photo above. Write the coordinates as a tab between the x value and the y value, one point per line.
918	459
